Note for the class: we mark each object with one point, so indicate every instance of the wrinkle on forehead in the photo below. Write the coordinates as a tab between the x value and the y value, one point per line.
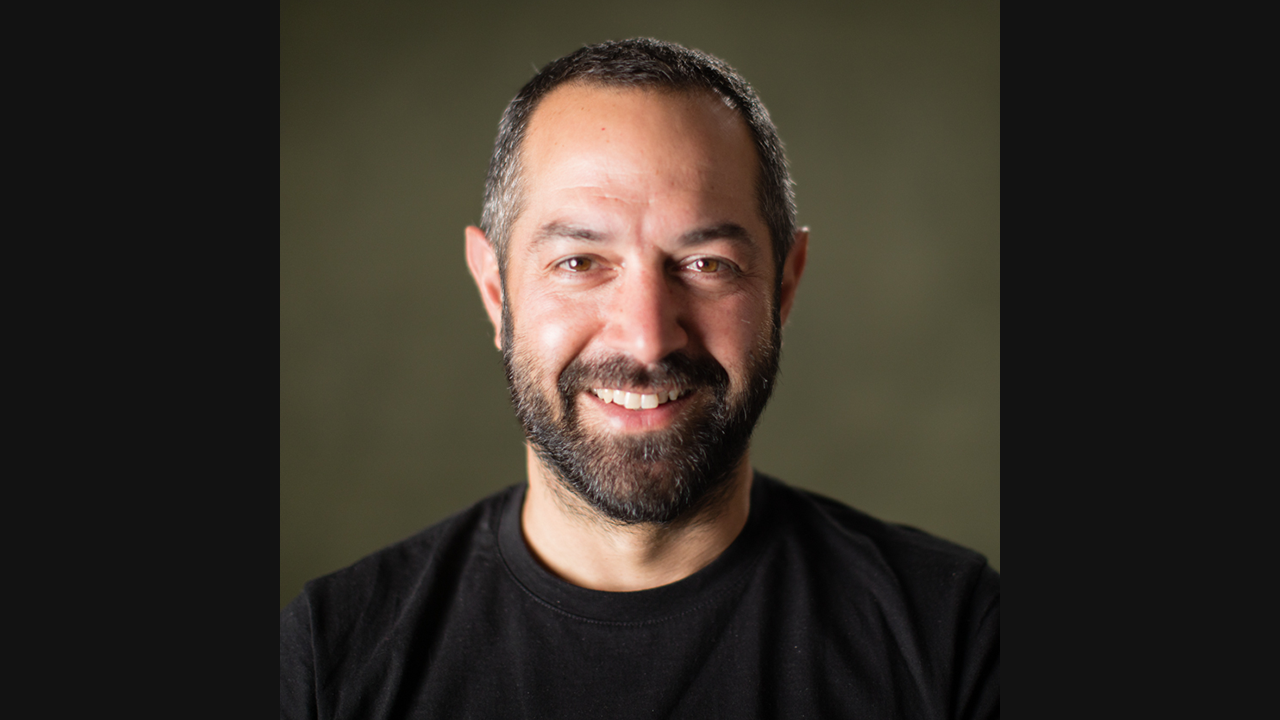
729	231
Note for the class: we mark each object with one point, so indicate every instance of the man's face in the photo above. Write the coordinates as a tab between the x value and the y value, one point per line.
639	268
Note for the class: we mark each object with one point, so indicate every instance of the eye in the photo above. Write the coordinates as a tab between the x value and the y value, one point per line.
577	264
704	265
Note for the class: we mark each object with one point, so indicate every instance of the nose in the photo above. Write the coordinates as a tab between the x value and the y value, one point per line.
645	316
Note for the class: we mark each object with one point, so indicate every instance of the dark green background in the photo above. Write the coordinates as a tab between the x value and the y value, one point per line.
393	406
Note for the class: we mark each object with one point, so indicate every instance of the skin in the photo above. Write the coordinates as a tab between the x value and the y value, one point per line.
641	235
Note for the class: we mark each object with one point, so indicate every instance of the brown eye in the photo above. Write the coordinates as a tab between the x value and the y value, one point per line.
577	264
705	265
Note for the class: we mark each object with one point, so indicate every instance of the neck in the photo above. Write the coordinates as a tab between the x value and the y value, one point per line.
573	541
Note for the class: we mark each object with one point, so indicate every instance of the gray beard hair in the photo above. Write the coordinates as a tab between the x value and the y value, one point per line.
662	477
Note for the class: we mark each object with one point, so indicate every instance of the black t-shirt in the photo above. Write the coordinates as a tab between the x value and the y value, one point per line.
816	610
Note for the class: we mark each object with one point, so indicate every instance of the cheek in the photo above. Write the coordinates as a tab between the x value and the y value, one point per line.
553	333
735	331
553	340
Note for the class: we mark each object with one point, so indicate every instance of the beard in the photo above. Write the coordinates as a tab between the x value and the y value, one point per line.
657	477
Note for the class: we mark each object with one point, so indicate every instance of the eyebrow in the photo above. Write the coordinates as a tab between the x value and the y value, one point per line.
722	231
566	230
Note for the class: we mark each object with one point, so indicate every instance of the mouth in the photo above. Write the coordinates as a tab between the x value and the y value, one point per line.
639	401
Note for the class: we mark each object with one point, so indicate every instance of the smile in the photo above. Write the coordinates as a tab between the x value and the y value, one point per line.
637	401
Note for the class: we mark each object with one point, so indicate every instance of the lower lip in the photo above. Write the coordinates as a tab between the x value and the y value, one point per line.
620	418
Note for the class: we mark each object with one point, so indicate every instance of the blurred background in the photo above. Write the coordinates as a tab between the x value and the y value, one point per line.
393	404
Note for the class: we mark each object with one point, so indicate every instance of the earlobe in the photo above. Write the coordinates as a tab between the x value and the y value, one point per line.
482	260
792	270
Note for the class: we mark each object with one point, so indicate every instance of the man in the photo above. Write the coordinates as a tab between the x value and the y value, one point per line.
638	258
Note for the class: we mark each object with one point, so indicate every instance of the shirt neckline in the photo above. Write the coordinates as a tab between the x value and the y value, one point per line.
706	587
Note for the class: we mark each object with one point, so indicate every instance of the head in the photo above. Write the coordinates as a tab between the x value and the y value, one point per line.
638	238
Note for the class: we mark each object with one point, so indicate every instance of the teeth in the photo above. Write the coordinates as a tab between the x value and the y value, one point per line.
636	401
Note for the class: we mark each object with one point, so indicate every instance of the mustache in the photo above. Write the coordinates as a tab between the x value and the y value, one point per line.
678	369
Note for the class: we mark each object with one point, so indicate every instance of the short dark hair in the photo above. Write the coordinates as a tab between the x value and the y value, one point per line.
640	63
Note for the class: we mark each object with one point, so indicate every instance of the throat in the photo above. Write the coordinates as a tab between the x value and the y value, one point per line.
574	542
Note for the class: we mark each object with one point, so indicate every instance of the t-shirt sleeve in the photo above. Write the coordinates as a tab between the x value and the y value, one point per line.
979	671
297	662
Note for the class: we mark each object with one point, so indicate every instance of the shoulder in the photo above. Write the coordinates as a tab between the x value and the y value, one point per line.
360	621
377	587
873	583
888	557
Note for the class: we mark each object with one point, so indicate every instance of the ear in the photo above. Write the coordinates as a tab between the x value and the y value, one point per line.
792	269
482	259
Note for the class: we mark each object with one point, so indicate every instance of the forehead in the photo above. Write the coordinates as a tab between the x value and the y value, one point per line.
653	159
